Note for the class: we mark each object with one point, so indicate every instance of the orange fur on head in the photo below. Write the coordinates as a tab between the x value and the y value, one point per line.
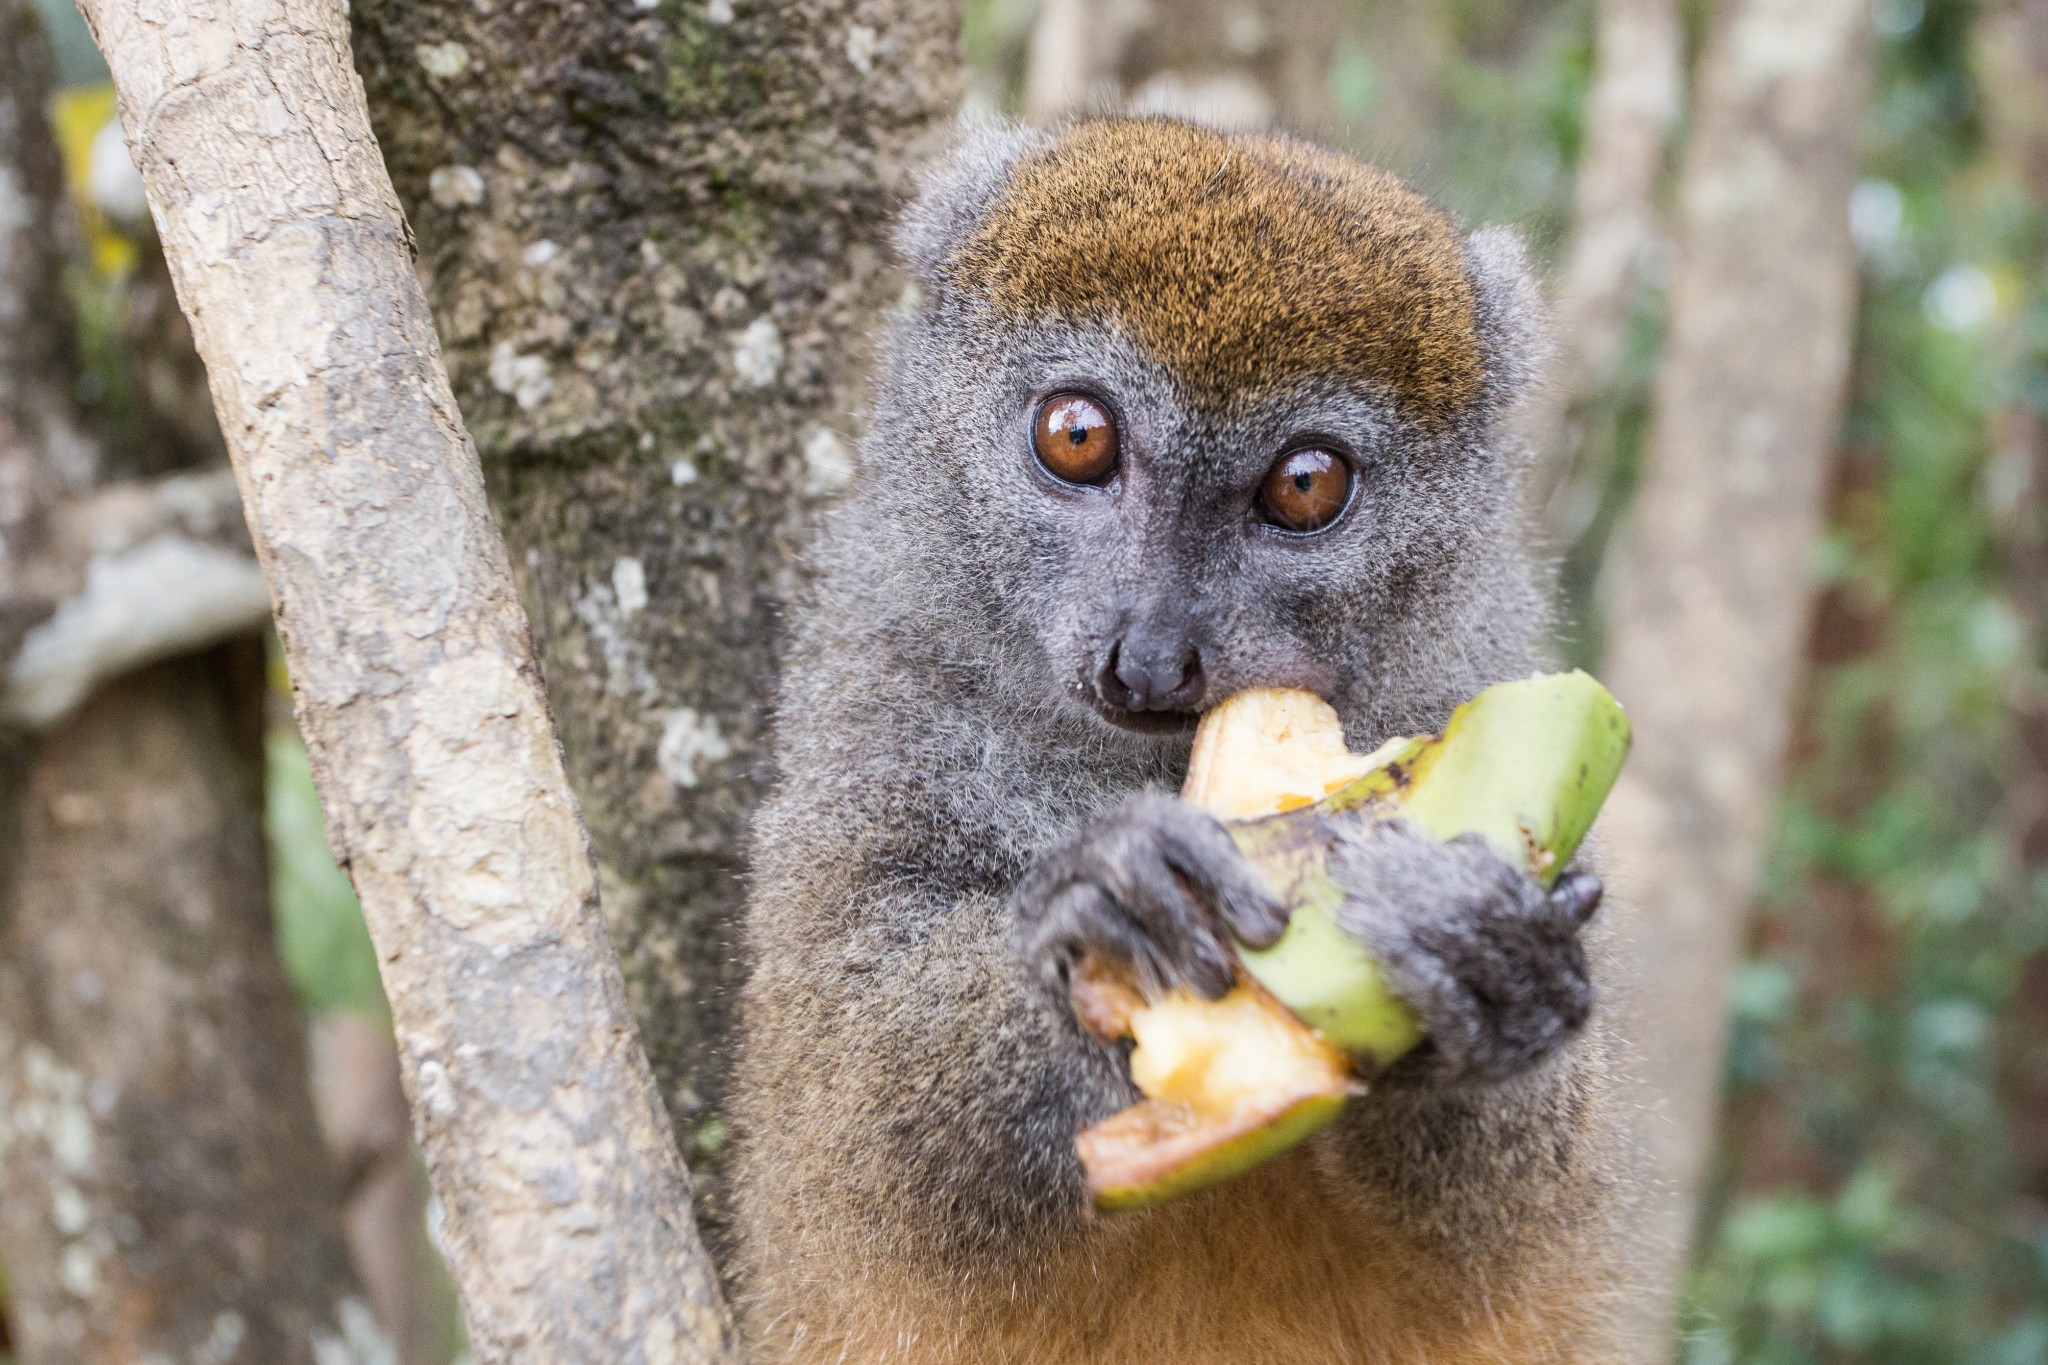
1146	222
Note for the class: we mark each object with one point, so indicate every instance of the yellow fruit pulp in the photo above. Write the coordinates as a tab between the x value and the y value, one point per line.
1271	749
1212	1055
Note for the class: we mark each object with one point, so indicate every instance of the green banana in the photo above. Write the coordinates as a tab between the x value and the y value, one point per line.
1526	765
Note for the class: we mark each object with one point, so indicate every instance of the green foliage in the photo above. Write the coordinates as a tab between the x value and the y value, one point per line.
320	933
1871	1204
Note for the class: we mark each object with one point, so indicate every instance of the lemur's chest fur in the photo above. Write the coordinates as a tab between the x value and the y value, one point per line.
1268	1271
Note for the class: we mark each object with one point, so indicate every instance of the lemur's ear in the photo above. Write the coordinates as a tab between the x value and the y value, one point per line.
1514	318
955	193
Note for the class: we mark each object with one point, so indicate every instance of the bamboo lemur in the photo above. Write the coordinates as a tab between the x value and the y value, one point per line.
1172	414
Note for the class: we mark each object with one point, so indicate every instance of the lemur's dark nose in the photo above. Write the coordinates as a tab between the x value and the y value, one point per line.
1151	674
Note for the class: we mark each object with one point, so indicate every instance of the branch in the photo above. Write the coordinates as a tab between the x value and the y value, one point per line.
141	572
568	1223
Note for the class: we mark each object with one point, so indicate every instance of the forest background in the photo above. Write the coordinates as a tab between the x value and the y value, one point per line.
1879	1184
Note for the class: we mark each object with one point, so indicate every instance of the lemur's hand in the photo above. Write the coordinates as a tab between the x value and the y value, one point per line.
1158	885
1487	957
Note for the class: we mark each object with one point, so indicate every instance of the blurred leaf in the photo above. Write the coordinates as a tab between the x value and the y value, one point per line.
320	932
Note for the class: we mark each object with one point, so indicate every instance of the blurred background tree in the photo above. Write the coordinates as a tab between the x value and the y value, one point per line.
144	919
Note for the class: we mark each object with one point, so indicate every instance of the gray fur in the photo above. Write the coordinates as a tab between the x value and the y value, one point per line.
908	1090
1491	962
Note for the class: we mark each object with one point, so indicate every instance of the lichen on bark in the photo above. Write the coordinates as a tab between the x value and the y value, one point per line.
653	238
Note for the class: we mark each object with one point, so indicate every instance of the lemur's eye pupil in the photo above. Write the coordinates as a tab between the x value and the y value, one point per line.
1306	490
1075	438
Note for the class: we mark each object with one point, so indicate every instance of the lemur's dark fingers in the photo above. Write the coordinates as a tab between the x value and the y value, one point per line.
1201	850
1141	914
1576	896
1183	935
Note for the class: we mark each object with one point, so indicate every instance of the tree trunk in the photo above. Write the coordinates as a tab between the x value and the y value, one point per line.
653	239
1222	62
163	1188
1226	63
163	1191
1638	83
566	1207
1710	611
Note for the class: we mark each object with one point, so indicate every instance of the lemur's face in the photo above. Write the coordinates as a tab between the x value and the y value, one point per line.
1141	658
1211	414
1173	553
1158	630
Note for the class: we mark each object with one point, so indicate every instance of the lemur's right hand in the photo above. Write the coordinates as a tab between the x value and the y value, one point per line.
1157	885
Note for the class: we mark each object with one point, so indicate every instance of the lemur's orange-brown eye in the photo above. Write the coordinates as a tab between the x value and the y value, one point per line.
1075	438
1305	490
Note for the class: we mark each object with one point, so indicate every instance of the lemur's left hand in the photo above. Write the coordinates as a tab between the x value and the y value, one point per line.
1488	958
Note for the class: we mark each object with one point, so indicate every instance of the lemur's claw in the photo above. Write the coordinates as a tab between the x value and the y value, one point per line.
1577	895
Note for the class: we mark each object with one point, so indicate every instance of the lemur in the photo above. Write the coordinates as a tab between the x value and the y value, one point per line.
1166	414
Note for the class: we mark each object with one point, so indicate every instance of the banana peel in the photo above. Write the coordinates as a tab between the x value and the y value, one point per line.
1231	1083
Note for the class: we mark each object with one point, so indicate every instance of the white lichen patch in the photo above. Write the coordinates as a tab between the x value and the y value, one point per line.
625	659
689	743
629	586
757	359
524	377
861	43
359	1342
223	1340
456	187
78	1270
828	464
52	1107
70	1211
443	61
436	1090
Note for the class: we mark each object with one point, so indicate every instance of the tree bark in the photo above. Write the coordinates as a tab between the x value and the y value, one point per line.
163	1188
654	240
1638	83
163	1191
1710	609
566	1207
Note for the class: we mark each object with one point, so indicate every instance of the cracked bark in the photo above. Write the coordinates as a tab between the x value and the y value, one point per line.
654	241
1711	610
566	1206
163	1190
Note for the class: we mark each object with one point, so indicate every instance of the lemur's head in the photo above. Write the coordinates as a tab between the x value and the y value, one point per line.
1177	413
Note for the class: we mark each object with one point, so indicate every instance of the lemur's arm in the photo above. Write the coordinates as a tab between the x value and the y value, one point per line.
916	1075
